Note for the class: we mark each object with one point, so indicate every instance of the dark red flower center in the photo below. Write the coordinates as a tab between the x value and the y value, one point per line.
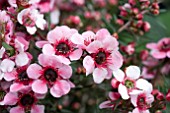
50	75
166	46
100	57
141	103
27	100
23	77
63	48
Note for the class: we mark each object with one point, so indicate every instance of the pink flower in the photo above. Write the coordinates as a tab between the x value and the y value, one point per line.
130	82
30	18
161	49
113	96
103	56
52	74
20	79
24	101
147	73
142	101
60	45
78	2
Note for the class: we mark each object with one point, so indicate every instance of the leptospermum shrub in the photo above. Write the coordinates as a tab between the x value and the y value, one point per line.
83	56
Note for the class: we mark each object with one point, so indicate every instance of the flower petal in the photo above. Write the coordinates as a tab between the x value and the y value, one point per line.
77	39
65	71
76	54
10	98
60	88
38	109
133	72
46	60
48	49
33	71
22	59
158	54
39	86
94	46
99	74
7	65
88	64
106	104
17	110
123	91
119	75
31	30
40	44
144	85
15	87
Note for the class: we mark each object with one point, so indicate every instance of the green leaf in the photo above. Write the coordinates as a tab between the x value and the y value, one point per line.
8	48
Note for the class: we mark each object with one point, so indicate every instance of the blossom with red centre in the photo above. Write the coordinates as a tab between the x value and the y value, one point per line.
6	26
142	101
130	83
24	3
161	49
103	57
50	74
23	102
113	96
59	44
31	18
20	79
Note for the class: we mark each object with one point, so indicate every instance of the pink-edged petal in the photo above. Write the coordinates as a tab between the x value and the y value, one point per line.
94	46
10	76
115	60
99	74
119	75
22	59
33	71
10	98
40	44
152	46
60	88
123	91
88	35
136	110
48	49
149	98
54	35
39	86
76	54
144	85
77	39
88	64
72	85
7	65
38	109
114	95
133	99
110	43
55	16
135	92
102	34
133	72
158	54
17	110
46	60
15	87
65	71
106	104
168	54
63	59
